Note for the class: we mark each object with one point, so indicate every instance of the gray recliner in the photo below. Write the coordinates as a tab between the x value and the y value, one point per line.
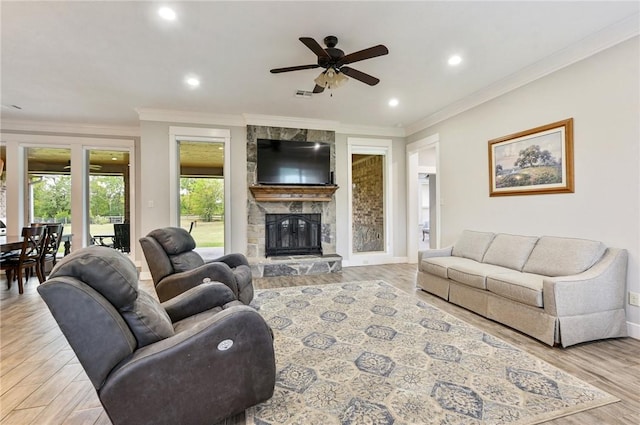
199	358
175	267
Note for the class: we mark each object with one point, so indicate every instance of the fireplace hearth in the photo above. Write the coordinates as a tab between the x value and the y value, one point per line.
293	234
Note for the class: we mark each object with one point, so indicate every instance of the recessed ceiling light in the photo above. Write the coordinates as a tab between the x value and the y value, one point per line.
455	60
167	13
193	81
394	102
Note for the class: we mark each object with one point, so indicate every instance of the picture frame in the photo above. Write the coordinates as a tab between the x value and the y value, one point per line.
533	162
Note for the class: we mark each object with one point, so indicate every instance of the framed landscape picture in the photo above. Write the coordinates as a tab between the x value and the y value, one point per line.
533	162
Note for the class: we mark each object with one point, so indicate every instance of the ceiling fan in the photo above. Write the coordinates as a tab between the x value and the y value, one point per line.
333	60
92	167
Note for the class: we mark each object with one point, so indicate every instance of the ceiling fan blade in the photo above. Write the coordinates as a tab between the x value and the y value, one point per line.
314	47
359	75
369	53
294	68
318	89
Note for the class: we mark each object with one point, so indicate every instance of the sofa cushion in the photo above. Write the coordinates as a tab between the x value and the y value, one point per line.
525	288
554	256
472	245
438	266
148	321
474	274
511	251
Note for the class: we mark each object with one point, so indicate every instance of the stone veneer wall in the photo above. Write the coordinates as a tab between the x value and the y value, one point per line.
368	205
257	210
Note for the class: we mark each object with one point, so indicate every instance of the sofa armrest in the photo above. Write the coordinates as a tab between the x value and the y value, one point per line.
430	253
226	361
600	288
198	299
177	283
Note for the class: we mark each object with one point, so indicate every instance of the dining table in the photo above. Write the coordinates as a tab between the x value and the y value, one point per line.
101	240
10	243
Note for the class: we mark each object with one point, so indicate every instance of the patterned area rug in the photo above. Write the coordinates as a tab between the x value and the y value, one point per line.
368	353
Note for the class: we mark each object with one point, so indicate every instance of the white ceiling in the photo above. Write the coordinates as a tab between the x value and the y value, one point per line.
97	62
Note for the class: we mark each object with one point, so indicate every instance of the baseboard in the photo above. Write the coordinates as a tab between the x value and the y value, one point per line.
372	260
634	330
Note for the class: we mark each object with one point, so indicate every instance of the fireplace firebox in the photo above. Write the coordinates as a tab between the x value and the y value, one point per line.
293	234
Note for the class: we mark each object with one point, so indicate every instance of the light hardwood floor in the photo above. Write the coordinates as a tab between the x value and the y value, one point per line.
41	381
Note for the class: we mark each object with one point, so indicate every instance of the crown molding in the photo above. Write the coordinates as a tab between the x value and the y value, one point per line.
189	117
315	124
588	46
364	130
68	128
290	122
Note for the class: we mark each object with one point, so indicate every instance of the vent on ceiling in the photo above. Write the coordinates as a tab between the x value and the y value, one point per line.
304	94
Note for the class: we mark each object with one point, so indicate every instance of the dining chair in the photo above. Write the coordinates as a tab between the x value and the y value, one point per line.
121	237
33	240
51	246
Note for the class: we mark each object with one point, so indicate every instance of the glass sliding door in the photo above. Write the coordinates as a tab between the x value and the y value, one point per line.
109	200
202	197
49	177
48	187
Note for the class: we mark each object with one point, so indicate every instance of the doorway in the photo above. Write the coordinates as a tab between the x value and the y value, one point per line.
109	200
367	200
48	186
423	196
370	231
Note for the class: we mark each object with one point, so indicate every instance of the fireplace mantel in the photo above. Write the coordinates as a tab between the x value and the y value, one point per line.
282	193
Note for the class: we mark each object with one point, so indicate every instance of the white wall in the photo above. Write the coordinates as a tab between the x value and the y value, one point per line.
601	93
154	181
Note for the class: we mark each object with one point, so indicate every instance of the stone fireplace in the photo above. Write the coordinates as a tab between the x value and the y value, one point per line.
294	202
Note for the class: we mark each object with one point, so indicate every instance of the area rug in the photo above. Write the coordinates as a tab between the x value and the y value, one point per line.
368	353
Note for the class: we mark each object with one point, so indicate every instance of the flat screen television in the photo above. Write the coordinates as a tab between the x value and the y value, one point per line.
293	163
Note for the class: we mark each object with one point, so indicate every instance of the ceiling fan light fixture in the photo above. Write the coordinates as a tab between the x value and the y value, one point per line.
331	79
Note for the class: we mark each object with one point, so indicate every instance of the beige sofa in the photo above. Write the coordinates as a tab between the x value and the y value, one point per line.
558	290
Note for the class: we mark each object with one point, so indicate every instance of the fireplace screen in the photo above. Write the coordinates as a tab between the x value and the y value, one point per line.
293	234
